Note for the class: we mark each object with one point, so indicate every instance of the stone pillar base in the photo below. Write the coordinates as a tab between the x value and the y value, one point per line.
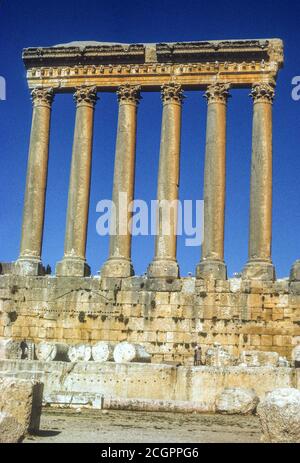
163	269
295	271
7	268
117	268
259	270
215	269
28	267
69	267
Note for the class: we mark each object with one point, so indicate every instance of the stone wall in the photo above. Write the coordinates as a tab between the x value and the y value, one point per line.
168	317
185	387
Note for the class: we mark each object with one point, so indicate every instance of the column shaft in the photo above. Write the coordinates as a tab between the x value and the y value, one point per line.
164	264
212	264
260	265
119	262
74	261
29	261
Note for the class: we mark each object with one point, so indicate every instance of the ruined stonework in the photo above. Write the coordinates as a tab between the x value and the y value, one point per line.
162	312
22	400
169	319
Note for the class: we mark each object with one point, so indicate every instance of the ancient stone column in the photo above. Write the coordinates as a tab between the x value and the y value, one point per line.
74	260
29	261
212	263
119	262
164	264
295	271
260	265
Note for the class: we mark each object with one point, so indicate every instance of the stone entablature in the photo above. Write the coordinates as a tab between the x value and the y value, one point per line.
190	64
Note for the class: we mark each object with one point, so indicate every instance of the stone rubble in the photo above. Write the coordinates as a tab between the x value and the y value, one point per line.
256	358
217	356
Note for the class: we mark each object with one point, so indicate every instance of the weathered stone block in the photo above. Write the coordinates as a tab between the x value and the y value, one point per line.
266	340
72	268
279	415
295	271
11	431
22	399
214	270
6	268
295	287
135	283
279	340
237	401
235	285
10	349
255	358
117	268
28	267
161	269
163	284
217	356
162	297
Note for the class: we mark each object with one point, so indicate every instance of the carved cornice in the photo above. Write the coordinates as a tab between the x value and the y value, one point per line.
42	96
129	93
67	54
176	52
217	93
86	95
187	68
263	92
172	93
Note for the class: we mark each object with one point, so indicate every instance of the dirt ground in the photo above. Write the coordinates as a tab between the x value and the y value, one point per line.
111	426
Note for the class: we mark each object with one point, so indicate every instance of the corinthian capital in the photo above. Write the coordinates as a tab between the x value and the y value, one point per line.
129	93
42	96
217	93
86	95
172	93
263	92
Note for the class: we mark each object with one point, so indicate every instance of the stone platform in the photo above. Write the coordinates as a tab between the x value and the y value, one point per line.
168	317
145	386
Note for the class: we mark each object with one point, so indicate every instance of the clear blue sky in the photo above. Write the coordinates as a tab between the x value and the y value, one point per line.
37	23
